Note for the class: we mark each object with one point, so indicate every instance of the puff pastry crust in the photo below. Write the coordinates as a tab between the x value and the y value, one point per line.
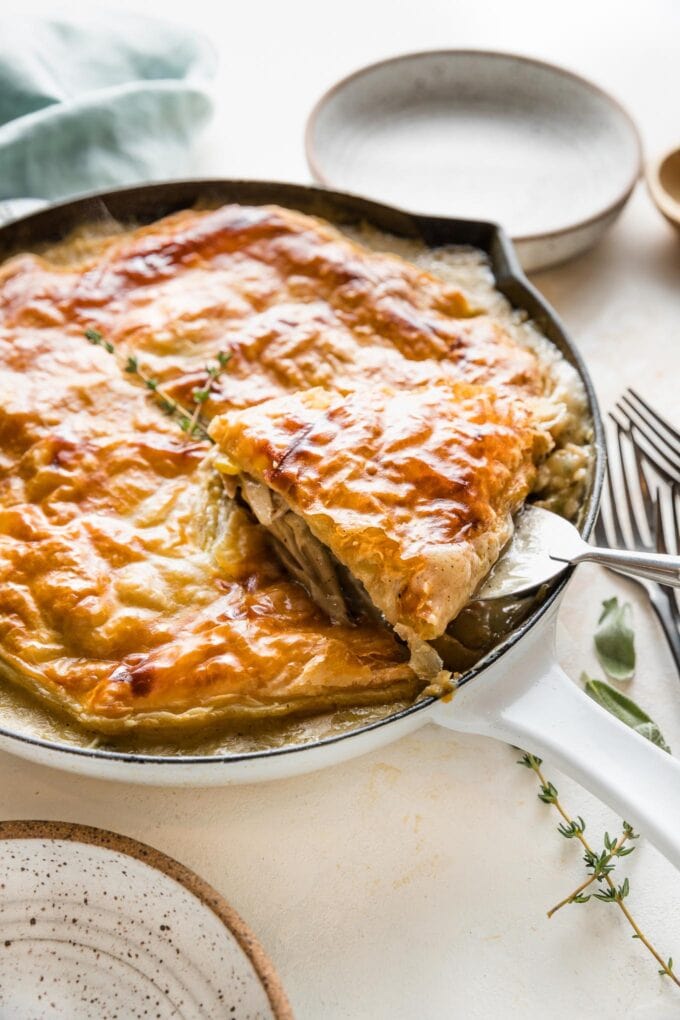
133	592
413	492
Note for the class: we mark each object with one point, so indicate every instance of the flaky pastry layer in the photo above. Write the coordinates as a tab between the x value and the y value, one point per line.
413	492
133	593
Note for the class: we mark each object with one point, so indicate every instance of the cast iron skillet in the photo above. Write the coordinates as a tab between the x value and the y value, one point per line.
521	696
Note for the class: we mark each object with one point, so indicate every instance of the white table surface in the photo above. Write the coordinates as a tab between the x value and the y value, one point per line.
413	882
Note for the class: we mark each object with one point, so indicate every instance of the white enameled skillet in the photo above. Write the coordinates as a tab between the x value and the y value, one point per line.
517	693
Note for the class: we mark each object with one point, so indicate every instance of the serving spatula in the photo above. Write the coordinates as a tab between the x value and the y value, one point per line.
545	544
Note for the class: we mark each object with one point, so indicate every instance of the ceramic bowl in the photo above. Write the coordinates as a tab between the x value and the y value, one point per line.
95	924
462	133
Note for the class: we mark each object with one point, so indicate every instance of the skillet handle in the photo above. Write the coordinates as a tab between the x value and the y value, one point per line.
526	699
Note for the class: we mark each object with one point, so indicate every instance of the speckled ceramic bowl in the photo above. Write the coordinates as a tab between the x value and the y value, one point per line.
493	136
93	924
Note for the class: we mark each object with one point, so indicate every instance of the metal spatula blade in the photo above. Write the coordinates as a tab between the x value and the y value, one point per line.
545	544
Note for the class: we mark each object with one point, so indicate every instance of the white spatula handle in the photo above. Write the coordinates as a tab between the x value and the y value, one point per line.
527	700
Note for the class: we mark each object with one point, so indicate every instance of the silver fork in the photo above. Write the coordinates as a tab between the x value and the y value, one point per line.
660	440
662	453
623	521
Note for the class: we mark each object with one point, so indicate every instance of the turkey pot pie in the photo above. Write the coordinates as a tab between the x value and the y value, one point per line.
375	430
409	494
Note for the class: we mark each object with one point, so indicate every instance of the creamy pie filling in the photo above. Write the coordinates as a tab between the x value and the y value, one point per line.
329	583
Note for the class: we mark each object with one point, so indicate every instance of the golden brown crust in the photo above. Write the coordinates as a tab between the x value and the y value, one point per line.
129	593
296	303
412	492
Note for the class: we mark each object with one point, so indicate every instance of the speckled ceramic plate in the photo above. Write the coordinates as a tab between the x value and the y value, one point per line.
93	924
486	136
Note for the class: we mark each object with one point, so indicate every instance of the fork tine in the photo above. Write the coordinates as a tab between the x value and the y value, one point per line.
672	596
666	425
669	472
638	538
647	499
664	546
619	539
649	447
659	529
663	436
648	427
651	434
675	496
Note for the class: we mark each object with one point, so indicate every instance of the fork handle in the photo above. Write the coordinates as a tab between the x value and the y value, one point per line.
653	566
660	601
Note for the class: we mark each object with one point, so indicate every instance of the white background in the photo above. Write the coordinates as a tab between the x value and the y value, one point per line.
413	883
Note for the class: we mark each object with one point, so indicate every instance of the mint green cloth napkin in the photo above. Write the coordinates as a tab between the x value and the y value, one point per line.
96	101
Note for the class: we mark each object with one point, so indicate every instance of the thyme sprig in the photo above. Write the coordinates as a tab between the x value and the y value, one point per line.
201	394
188	419
601	865
598	864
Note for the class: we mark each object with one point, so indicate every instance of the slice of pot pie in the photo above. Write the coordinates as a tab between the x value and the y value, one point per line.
404	497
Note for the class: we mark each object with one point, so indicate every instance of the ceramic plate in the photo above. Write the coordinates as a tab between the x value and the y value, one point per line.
487	136
95	924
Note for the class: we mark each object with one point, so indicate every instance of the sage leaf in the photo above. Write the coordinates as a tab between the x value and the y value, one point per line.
615	641
625	709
